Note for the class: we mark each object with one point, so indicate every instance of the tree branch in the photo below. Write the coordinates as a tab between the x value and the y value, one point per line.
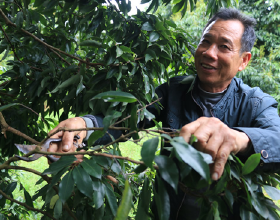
4	83
91	153
6	127
26	206
8	22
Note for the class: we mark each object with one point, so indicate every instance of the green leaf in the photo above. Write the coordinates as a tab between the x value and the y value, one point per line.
168	170
23	69
162	200
192	157
148	115
56	177
111	200
147	26
178	7
133	121
273	192
8	106
216	210
98	197
251	163
91	43
80	86
71	81
19	19
83	181
147	84
144	202
6	53
116	96
92	168
63	162
28	199
139	169
58	209
154	36
53	201
126	203
66	187
258	204
126	49
221	184
40	192
119	52
95	136
229	198
148	151
150	54
247	215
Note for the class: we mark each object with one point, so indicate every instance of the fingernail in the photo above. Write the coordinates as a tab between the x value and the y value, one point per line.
65	147
215	176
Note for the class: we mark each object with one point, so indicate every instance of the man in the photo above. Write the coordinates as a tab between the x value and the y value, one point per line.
224	114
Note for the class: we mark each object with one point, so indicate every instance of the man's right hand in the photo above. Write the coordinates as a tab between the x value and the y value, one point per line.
66	145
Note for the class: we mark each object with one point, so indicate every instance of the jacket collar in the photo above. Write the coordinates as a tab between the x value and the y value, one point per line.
219	108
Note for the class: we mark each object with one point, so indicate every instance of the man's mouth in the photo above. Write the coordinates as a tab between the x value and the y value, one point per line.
207	66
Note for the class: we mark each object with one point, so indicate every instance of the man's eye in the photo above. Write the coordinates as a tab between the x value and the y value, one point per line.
225	47
205	41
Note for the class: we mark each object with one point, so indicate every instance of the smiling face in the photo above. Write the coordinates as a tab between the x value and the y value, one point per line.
218	58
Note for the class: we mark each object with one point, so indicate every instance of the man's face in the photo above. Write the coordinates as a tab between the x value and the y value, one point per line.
218	58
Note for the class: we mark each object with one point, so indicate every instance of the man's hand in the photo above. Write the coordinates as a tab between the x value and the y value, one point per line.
216	139
66	145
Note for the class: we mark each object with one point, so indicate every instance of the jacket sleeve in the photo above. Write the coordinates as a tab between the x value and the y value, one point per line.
264	133
97	122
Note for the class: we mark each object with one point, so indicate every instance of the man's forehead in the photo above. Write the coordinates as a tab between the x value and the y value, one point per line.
227	30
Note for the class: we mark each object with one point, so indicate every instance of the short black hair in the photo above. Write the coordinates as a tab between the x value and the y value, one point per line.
248	37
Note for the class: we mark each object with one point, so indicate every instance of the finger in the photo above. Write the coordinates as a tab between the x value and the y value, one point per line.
58	134
189	129
53	147
220	161
212	145
67	142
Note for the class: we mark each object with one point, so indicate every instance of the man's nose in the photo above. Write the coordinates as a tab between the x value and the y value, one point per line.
211	52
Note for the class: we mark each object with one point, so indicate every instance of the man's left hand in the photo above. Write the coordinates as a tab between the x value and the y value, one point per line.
216	139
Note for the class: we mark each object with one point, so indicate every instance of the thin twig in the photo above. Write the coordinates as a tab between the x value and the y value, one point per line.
60	57
26	206
8	22
137	111
10	43
6	127
5	83
91	153
33	111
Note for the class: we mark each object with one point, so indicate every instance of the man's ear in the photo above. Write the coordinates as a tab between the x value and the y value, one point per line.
246	57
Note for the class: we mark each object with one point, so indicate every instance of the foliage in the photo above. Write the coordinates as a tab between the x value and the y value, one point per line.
264	68
93	57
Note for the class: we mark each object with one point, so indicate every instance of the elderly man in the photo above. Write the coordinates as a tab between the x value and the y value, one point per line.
224	114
